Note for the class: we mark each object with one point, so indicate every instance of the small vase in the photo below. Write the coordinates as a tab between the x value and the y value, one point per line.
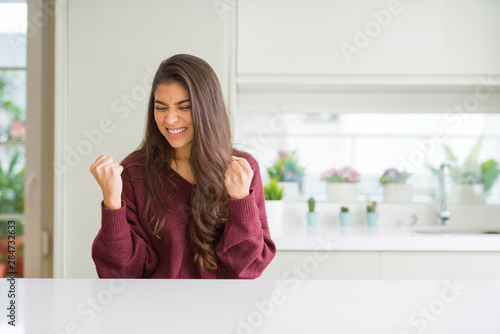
290	191
312	218
372	218
467	193
345	218
341	192
274	212
397	193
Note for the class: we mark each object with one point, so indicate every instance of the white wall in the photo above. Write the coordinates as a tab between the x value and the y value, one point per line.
114	49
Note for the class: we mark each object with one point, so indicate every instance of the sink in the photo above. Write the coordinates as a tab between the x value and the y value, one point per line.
456	229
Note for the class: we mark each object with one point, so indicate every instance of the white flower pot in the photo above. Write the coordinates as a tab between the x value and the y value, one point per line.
274	212
341	192
397	193
467	193
290	191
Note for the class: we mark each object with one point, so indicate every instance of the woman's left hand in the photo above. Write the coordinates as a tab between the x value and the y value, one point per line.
239	175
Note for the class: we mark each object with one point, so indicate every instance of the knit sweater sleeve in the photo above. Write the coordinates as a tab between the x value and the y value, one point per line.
121	248
245	247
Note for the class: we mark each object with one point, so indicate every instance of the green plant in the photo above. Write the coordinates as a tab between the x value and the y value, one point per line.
12	188
489	173
272	191
471	171
312	204
344	209
16	129
11	178
4	232
467	173
2	254
286	168
392	175
371	207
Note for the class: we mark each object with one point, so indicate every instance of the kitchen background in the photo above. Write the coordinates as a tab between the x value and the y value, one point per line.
365	84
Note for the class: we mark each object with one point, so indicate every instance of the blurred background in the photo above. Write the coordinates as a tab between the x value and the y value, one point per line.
367	84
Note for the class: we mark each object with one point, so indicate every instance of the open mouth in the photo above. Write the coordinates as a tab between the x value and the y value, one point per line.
175	131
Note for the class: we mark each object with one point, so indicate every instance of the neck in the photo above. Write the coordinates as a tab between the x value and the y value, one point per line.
182	154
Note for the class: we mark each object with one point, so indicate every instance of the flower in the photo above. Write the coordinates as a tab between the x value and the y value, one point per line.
345	174
392	175
286	168
18	129
328	173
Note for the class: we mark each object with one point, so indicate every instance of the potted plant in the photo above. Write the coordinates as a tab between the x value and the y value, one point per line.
312	216
472	180
273	195
371	214
344	216
394	186
12	183
341	184
489	174
468	187
289	173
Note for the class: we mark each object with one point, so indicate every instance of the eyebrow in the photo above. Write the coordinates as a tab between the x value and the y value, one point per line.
180	102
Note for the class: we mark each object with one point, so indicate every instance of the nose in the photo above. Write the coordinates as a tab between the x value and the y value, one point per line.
171	118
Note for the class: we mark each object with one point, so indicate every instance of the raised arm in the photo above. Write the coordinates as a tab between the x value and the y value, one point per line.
121	248
245	248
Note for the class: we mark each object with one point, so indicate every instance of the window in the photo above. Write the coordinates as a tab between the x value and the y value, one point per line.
372	143
13	23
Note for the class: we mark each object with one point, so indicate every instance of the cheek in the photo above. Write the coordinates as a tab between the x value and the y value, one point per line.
191	126
158	119
189	120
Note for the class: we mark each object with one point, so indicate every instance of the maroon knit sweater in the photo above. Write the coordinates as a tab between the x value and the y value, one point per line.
124	249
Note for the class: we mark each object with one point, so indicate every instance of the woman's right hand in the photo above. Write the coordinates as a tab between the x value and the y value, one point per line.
107	172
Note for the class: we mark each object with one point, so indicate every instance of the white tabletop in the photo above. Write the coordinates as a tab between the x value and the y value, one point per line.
259	306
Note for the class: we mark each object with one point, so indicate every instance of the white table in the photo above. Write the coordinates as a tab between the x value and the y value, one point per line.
49	306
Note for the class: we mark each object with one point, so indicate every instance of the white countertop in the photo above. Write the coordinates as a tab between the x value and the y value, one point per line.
332	237
392	233
93	306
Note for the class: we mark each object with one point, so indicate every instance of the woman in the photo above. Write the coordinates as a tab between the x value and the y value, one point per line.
185	204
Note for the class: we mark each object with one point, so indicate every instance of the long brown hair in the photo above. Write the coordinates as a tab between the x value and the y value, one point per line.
210	155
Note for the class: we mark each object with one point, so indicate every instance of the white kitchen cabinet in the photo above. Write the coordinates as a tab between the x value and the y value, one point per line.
367	37
385	265
295	265
440	265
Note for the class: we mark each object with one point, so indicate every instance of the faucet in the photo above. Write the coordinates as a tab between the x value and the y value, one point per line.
443	213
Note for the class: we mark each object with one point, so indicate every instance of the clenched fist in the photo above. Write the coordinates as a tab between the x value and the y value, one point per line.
108	172
239	176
